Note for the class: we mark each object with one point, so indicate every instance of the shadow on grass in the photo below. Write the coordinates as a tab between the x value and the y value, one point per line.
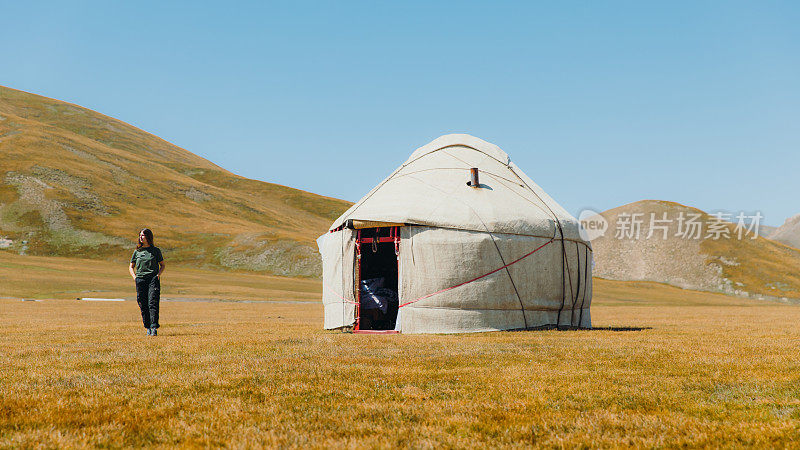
563	328
178	334
349	330
620	328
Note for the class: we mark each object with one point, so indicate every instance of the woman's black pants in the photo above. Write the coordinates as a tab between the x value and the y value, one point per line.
148	296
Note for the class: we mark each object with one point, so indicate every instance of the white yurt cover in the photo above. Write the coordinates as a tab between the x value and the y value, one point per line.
498	257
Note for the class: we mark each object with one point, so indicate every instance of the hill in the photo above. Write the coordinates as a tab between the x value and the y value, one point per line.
788	233
750	267
77	183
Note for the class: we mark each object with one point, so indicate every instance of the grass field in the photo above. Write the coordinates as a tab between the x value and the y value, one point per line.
42	277
665	367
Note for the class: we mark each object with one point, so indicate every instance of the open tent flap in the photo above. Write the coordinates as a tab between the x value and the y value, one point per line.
338	264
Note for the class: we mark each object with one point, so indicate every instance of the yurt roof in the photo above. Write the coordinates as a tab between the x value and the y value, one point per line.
431	189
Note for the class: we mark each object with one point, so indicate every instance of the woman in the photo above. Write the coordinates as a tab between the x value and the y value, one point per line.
146	268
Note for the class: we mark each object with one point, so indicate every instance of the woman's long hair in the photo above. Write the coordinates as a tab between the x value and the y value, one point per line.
147	235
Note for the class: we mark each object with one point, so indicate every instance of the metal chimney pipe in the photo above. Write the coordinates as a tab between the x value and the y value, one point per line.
474	182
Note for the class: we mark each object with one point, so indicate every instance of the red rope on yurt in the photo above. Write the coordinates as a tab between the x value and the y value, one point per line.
358	281
330	289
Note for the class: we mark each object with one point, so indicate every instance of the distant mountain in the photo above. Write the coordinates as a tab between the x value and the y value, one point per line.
788	233
680	253
74	182
766	230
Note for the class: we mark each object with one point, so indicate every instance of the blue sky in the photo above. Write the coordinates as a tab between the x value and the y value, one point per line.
601	103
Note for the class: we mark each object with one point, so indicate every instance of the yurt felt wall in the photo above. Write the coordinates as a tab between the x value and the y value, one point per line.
525	294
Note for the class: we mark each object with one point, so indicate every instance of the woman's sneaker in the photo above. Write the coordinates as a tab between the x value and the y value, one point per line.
153	332
149	332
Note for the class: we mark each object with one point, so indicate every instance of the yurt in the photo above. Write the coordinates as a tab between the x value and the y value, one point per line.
457	239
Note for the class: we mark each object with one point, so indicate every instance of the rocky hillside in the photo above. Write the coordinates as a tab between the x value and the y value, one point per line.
76	182
788	233
710	256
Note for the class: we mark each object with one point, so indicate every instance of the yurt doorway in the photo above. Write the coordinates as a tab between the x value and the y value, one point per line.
377	271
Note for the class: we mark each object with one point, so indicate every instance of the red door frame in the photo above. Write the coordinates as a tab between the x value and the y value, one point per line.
394	236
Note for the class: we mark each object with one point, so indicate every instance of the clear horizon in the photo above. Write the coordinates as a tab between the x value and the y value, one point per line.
600	105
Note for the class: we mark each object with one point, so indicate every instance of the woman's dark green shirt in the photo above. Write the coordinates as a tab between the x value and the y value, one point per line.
146	260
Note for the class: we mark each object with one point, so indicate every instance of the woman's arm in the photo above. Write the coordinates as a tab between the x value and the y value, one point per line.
130	269
160	268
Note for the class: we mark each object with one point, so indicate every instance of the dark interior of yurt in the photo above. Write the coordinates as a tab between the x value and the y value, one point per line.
376	259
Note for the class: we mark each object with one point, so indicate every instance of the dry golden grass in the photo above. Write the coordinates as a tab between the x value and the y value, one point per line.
697	369
37	277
